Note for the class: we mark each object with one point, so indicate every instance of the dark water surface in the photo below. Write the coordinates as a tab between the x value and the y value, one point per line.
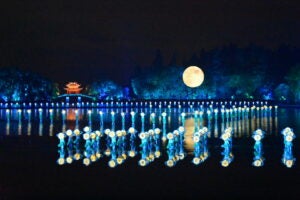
29	153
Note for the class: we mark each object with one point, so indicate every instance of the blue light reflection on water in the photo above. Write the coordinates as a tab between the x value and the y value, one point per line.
49	122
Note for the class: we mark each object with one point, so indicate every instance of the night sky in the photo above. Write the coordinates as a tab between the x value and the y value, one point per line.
88	40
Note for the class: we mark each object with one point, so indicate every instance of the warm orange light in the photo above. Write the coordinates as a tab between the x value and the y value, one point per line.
73	88
189	127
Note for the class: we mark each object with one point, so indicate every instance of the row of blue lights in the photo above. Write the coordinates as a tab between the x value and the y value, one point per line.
155	103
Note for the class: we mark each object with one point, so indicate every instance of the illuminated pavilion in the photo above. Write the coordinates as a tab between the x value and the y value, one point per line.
73	88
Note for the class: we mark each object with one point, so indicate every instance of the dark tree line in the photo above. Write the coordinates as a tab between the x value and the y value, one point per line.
231	72
18	85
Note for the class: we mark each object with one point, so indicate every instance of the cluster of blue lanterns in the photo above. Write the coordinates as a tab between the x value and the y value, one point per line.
121	144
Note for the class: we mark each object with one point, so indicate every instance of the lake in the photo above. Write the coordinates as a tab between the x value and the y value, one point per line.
31	167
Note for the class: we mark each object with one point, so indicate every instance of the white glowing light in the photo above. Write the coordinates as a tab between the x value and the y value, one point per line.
69	160
119	160
131	130
98	133
86	161
170	163
61	161
257	163
289	163
119	133
181	129
92	136
225	163
93	158
151	132
157	154
61	136
106	131
86	136
86	129
157	131
196	160
112	134
142	162
69	132
196	139
131	153
170	136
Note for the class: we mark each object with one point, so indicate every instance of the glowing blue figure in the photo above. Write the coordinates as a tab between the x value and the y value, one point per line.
77	155
123	146
132	151
144	149
113	161
97	143
77	134
157	152
69	158
150	145
227	145
108	142
61	150
120	148
258	159
69	133
287	158
171	150
177	145
181	143
94	149
154	144
87	145
200	146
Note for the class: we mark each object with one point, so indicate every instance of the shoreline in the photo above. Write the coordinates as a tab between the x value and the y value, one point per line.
297	106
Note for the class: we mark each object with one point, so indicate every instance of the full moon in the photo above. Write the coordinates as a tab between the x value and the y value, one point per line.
193	76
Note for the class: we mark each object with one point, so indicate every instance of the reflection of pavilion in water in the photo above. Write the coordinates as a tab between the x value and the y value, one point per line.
73	115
